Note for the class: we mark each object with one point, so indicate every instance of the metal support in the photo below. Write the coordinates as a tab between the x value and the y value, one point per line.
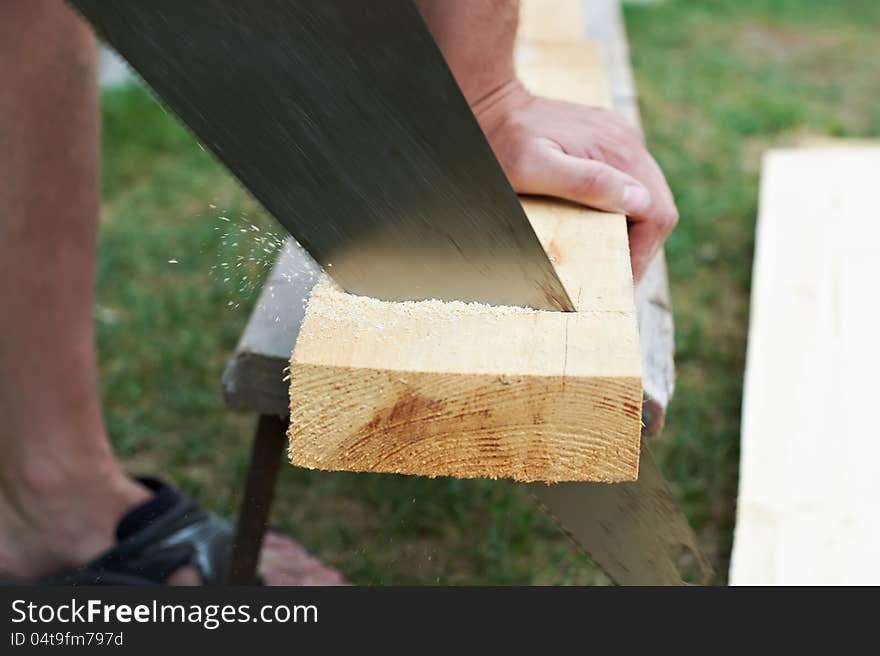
270	440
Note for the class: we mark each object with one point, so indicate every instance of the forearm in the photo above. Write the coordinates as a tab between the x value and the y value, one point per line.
477	39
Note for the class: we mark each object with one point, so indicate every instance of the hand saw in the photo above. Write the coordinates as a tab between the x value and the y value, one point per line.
344	121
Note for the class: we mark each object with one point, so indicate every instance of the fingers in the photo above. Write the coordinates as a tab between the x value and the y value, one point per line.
645	239
648	230
592	157
632	158
650	225
640	192
548	171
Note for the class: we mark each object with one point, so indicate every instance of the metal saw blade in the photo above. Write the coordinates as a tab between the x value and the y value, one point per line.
634	531
344	121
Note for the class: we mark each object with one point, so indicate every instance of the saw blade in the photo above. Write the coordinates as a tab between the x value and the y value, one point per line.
345	123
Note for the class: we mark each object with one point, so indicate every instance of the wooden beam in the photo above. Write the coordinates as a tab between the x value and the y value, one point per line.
437	388
634	531
808	488
604	24
550	20
568	21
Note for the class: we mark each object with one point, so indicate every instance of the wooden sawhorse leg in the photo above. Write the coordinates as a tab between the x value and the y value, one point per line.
270	439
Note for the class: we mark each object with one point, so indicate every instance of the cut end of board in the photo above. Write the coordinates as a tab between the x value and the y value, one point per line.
438	388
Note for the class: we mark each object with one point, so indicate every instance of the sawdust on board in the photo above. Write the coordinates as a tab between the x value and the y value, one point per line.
332	306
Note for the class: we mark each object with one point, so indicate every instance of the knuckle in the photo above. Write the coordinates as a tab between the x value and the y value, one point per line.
592	182
599	152
622	131
624	152
668	219
517	128
516	160
619	151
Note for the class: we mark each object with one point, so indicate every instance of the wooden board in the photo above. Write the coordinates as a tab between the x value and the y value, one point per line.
446	389
635	531
554	23
550	20
604	24
807	511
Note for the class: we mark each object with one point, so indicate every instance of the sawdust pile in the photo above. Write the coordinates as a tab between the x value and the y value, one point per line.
334	307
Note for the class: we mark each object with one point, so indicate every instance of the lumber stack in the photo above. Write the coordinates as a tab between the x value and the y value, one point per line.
447	388
808	489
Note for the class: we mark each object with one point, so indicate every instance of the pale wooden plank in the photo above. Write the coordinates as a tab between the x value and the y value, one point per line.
564	70
551	20
808	489
604	24
634	531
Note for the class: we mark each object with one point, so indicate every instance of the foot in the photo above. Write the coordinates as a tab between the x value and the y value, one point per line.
50	525
283	562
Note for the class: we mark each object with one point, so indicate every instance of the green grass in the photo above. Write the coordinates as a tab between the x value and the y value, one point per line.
719	80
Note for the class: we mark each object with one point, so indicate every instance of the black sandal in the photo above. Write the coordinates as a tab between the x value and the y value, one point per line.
154	540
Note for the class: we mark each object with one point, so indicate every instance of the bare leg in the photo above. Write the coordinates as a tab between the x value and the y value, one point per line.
61	490
52	435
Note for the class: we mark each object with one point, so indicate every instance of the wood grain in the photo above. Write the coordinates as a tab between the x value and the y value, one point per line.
808	489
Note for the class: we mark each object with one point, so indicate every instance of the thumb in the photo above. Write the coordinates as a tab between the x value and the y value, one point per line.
586	181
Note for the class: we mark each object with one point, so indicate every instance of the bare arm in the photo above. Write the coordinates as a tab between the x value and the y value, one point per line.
585	154
477	39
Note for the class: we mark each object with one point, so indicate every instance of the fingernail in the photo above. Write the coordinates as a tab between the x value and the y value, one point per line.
635	199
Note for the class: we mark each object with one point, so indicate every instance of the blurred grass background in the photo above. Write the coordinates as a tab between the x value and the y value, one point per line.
719	80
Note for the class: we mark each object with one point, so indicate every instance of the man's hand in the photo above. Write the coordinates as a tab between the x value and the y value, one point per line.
584	154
